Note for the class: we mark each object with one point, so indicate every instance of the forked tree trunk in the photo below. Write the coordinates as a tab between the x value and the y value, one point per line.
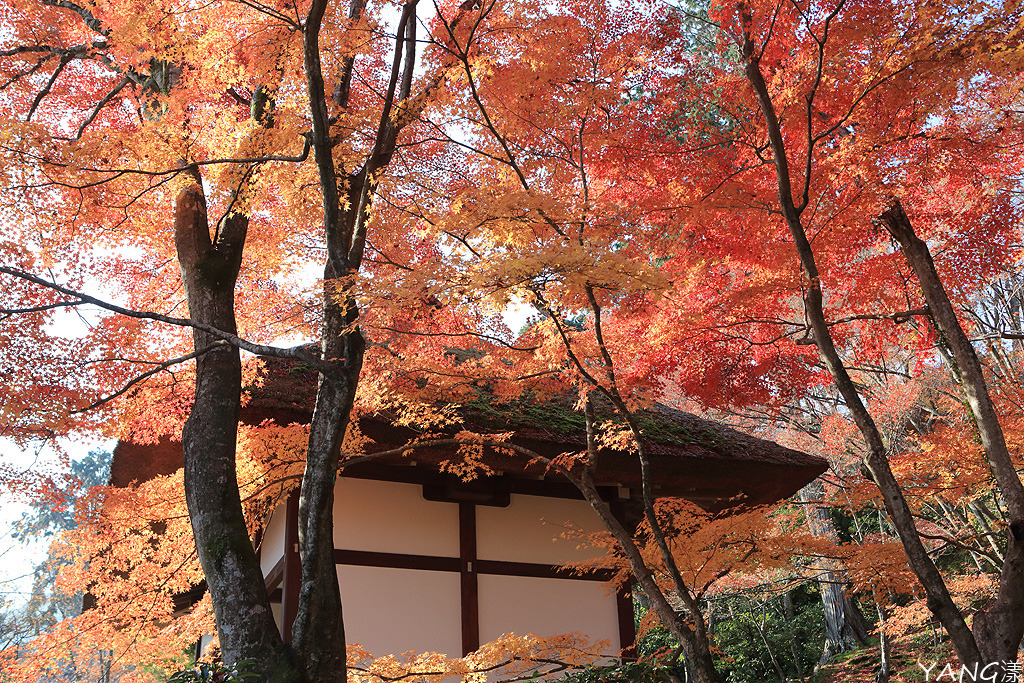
318	633
241	607
691	636
244	620
694	642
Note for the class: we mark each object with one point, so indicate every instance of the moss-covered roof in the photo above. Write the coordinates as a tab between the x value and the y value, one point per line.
691	456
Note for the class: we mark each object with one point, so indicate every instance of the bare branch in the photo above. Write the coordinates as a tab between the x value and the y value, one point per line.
270	12
46	88
8	312
149	373
118	172
27	72
901	317
479	335
258	349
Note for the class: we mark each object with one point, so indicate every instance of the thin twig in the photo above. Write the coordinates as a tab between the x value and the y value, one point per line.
149	373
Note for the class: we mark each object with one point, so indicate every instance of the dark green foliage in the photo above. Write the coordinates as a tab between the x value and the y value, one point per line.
757	638
628	672
754	635
216	673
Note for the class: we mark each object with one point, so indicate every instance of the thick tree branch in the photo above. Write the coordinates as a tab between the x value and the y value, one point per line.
91	21
320	135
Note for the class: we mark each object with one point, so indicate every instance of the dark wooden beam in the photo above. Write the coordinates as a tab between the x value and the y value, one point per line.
470	596
366	558
276	574
437	563
542	571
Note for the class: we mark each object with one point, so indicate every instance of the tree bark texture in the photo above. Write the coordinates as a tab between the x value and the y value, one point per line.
245	622
842	630
318	633
1000	628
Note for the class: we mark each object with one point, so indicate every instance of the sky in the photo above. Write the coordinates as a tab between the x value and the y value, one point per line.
17	559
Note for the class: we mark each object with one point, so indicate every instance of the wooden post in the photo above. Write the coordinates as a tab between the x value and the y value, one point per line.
292	568
624	594
468	578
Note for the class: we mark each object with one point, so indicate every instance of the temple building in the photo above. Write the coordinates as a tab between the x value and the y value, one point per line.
427	562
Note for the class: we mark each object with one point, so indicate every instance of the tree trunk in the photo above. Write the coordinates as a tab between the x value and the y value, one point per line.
884	649
245	622
1000	628
790	611
318	633
841	628
876	462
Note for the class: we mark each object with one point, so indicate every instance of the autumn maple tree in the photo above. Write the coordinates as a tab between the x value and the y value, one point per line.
750	225
168	126
177	157
695	202
823	137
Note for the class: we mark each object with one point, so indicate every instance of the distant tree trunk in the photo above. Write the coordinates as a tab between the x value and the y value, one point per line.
884	647
844	625
790	611
759	628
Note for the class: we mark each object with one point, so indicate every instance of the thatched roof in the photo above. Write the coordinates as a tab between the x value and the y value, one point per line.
691	457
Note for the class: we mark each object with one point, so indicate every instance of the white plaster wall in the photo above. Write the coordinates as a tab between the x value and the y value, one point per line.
204	642
392	611
272	545
547	607
392	517
530	529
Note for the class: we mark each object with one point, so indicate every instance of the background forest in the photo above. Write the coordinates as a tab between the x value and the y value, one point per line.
801	218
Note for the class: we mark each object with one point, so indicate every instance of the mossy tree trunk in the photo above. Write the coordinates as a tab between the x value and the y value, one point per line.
241	607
